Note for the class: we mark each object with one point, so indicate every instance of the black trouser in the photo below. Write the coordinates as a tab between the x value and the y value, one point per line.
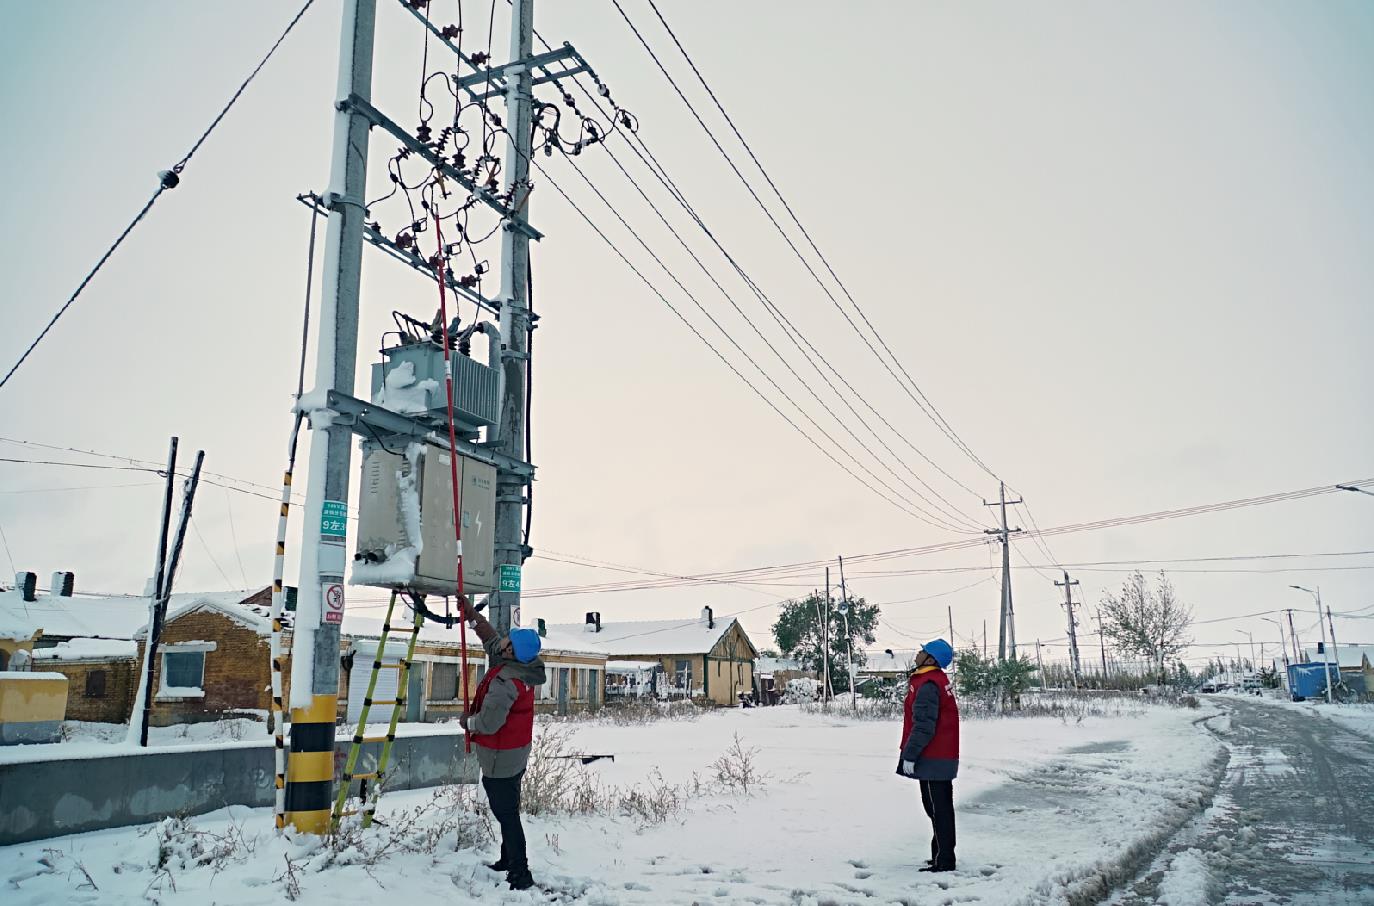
504	795
937	798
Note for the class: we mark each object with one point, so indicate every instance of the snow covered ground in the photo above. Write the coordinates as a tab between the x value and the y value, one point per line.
1050	810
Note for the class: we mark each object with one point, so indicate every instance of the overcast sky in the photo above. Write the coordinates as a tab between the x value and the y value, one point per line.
1123	248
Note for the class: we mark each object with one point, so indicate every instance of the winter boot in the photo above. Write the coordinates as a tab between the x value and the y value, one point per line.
937	867
501	864
520	879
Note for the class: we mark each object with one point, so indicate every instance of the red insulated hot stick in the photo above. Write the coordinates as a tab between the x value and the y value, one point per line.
453	463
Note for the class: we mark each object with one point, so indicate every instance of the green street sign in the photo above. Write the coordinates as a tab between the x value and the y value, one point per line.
334	519
509	578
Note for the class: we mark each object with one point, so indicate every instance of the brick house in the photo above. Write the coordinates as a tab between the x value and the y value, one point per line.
87	639
213	658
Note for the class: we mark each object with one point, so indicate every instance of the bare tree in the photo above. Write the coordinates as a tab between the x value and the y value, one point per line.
1151	623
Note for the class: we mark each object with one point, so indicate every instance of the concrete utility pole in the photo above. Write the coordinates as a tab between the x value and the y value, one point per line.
1334	650
825	640
1006	633
1282	646
511	549
949	612
1293	637
315	645
1074	663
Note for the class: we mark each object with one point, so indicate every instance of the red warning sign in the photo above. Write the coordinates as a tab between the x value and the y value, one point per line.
333	604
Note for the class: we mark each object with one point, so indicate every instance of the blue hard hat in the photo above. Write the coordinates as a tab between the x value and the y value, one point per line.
526	644
940	650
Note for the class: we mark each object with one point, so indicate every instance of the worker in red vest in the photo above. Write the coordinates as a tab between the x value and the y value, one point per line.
930	746
500	724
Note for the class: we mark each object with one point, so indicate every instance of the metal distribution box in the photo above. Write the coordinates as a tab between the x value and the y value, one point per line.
384	539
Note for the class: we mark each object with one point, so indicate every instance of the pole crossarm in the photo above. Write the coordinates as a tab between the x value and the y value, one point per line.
368	420
406	256
490	75
355	104
493	78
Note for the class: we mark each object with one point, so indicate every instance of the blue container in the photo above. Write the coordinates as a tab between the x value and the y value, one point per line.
1308	680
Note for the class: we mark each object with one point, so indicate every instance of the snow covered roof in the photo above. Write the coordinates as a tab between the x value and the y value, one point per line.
769	665
240	606
1350	657
74	617
640	636
88	650
630	666
900	660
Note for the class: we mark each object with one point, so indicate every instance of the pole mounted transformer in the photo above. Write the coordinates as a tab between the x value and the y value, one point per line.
444	496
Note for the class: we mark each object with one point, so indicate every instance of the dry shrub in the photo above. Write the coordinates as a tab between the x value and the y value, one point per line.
735	769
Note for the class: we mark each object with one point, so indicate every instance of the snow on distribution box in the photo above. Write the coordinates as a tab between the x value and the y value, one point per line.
405	526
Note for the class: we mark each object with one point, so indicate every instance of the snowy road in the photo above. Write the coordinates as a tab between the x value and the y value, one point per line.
1293	820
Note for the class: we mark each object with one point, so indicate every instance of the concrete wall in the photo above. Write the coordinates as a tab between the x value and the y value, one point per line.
40	799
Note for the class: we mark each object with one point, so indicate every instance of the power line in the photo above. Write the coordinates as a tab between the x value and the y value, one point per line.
790	331
919	397
716	351
168	179
637	145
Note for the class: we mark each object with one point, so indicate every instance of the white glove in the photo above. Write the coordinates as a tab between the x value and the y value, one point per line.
909	768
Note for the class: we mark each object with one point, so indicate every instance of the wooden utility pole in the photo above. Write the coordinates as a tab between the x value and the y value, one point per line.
1074	663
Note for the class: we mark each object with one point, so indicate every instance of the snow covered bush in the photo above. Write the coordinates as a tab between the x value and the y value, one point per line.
802	689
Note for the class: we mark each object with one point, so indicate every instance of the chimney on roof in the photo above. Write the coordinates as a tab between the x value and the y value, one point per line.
593	621
27	583
543	627
709	616
888	652
63	584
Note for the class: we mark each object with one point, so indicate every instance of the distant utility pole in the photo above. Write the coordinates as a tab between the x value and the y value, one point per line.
825	640
1074	663
1039	665
949	612
1006	633
1334	650
1102	640
849	639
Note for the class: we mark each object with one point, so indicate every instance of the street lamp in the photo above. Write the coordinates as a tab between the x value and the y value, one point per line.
1346	487
1283	646
1326	652
1252	647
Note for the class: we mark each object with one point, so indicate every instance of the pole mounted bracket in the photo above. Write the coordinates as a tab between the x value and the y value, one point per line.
356	105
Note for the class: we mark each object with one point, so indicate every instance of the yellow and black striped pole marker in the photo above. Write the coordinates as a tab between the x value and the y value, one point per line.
310	765
278	595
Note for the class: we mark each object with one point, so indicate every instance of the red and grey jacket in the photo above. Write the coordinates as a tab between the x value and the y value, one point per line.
930	726
517	730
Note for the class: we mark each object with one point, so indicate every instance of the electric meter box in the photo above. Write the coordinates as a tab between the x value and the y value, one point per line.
394	486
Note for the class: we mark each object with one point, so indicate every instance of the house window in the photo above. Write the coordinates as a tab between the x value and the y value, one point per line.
682	675
95	684
183	672
443	682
